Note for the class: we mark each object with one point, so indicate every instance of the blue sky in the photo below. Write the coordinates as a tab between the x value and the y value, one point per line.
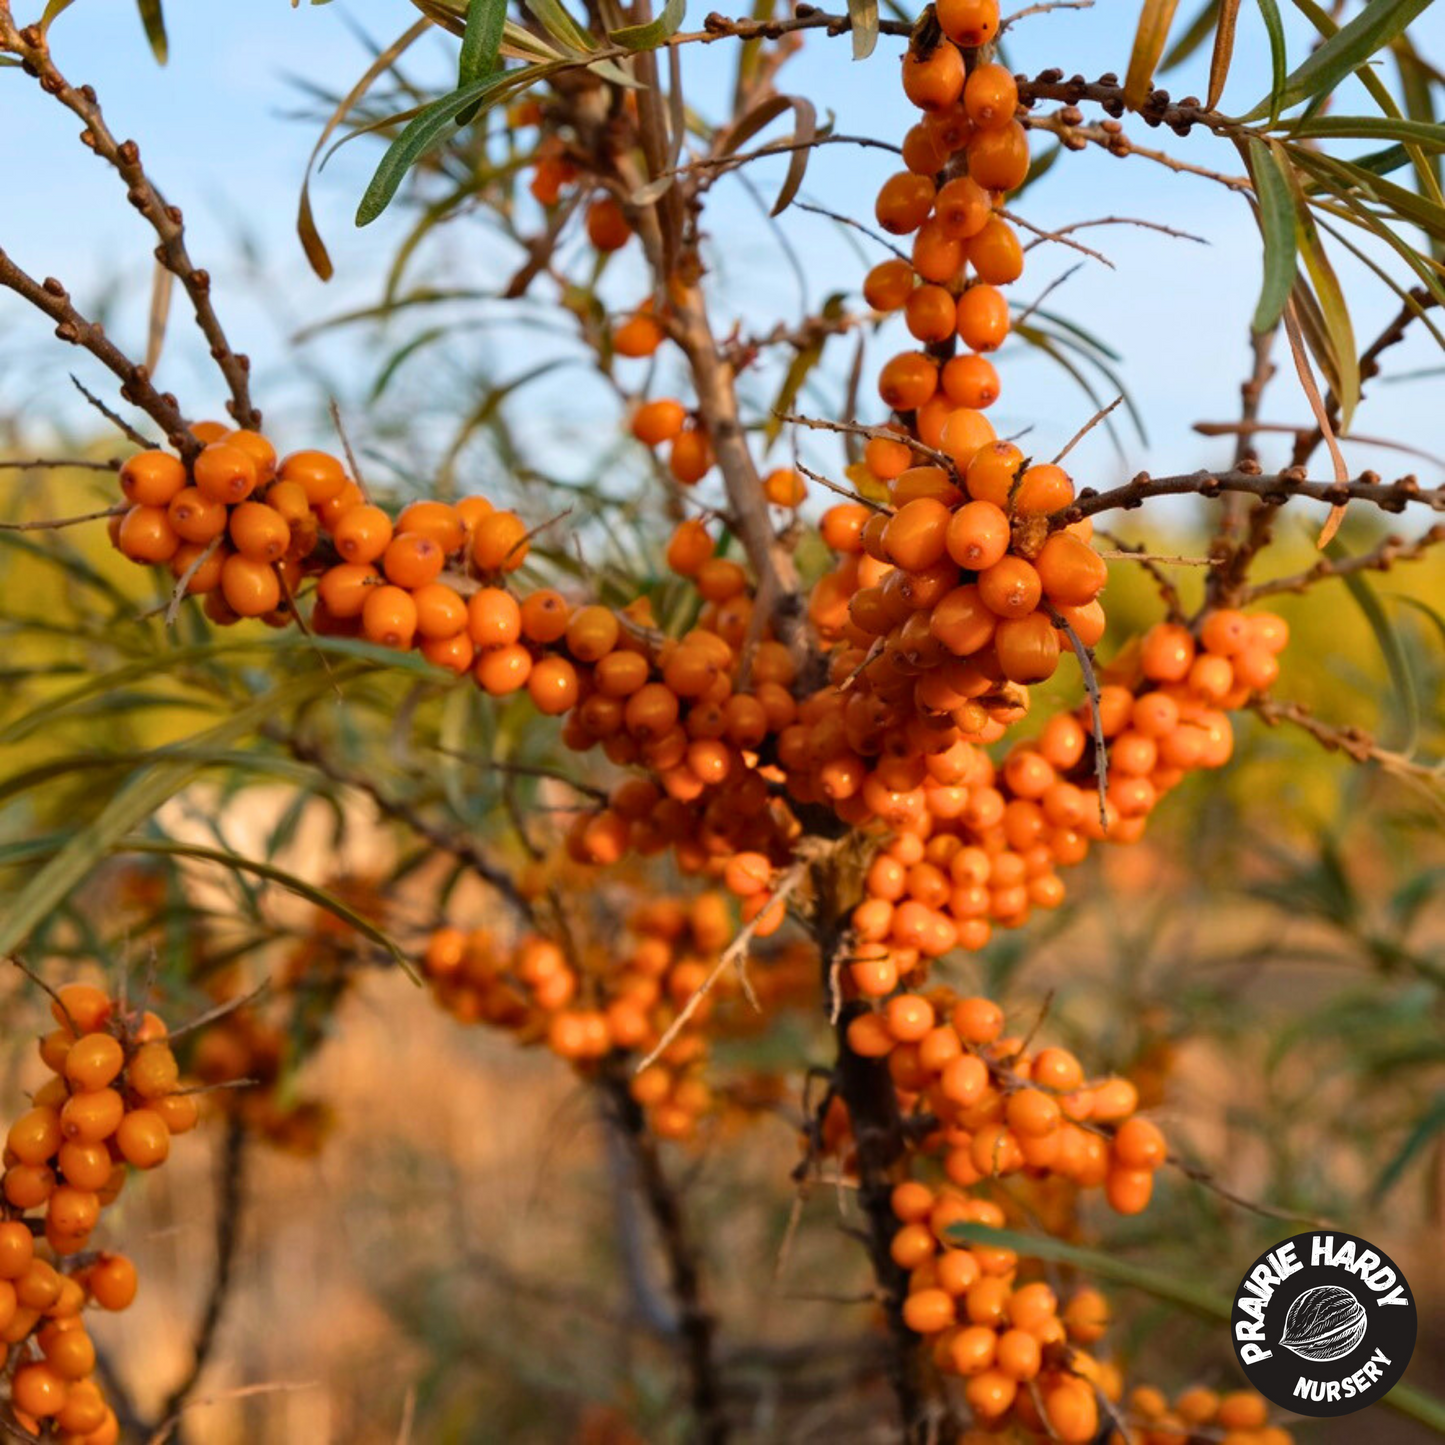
218	130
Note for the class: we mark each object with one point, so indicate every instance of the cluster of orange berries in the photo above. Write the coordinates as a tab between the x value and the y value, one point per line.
113	1102
618	999
1238	1417
979	845
1000	1110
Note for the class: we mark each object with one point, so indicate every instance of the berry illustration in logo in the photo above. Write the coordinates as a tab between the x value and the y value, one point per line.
1324	1323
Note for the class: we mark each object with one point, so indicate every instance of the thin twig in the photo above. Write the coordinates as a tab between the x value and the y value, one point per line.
733	956
1087	427
54	524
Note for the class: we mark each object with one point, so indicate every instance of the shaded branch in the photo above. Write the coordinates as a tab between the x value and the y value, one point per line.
30	45
52	298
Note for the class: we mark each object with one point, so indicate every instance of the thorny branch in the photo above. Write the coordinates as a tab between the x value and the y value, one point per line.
30	46
1283	486
52	298
1356	742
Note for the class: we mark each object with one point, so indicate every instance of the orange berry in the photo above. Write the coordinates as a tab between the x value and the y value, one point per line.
362	533
72	1211
639	335
35	1136
1140	1144
553	686
927	1311
444	524
888	285
1167	653
1042	490
259	532
319	474
995	253
152	478
1072	573
930	313
969	23
500	671
983	318
93	1061
142	1139
153	1071
937	256
907	381
17	1249
870	1038
92	1116
499	542
904	202
691	457
969	380
145	535
964	435
1128	1190
977	1020
112	1282
412	560
225	473
1011	587
916	535
990	97
592	632
934	82
259	449
909	1017
37	1390
344	588
923	151
388	616
251	589
607	227
441	612
655	422
195	517
999	159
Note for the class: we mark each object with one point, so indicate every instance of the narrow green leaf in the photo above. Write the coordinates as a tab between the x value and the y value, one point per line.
1155	18
485	21
1334	310
1425	1130
1428	135
428	127
1397	662
559	24
1272	190
155	28
863	17
1278	55
135	802
1417	90
650	35
1344	52
1167	1287
321	897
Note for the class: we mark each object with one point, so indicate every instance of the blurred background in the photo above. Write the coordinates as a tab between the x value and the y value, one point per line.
435	1239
